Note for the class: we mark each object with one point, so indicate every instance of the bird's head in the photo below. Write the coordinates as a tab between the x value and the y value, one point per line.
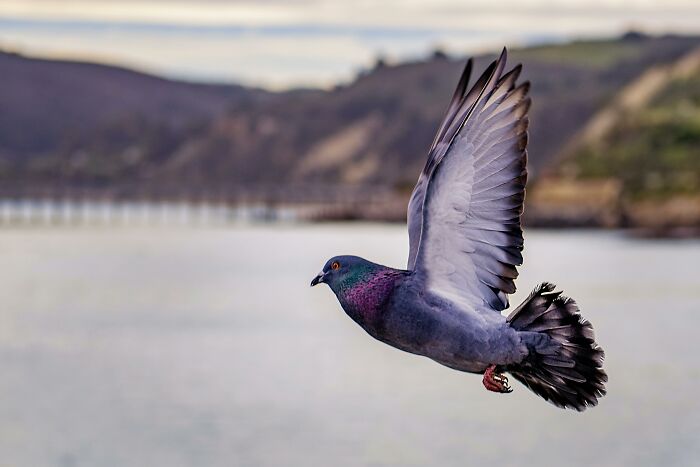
344	271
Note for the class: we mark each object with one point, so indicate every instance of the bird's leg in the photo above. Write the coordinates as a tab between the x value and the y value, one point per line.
495	381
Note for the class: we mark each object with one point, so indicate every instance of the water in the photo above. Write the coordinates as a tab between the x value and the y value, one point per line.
206	347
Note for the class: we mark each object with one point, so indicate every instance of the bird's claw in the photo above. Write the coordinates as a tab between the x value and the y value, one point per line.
496	382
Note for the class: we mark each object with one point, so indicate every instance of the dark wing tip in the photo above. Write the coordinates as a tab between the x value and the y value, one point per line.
511	77
502	59
499	66
463	82
517	69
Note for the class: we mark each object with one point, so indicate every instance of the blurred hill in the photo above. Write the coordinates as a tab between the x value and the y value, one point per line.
643	149
69	127
68	123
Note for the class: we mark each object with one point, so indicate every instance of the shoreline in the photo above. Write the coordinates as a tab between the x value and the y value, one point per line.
108	213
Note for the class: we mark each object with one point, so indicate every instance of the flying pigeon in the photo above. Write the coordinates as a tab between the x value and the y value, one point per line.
465	241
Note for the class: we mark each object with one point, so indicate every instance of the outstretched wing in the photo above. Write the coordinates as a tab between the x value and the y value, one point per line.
464	214
415	205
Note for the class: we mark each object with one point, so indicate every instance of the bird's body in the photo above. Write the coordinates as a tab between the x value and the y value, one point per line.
465	246
394	306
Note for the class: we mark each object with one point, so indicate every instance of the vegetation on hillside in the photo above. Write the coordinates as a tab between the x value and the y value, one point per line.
653	151
592	53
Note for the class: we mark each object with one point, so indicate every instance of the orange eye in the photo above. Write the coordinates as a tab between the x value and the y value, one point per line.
335	266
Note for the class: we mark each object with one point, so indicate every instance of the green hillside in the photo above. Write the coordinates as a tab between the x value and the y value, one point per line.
636	163
654	151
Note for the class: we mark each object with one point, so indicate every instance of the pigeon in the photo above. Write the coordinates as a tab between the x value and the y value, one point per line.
465	243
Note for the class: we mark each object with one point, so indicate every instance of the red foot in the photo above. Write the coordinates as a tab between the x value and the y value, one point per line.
495	382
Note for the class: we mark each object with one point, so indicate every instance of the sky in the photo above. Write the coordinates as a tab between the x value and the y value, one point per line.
279	44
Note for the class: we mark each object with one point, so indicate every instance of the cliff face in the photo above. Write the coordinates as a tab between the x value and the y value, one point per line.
75	127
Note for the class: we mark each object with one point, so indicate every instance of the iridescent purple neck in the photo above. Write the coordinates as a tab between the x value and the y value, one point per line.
364	299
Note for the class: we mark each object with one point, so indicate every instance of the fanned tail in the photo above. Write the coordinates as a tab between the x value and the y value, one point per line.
565	363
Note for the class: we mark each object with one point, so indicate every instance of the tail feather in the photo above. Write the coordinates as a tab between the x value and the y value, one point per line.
565	363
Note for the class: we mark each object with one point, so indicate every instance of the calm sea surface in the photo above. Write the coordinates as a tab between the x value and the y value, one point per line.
206	347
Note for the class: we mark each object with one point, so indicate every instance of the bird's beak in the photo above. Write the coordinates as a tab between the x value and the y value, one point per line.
318	279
